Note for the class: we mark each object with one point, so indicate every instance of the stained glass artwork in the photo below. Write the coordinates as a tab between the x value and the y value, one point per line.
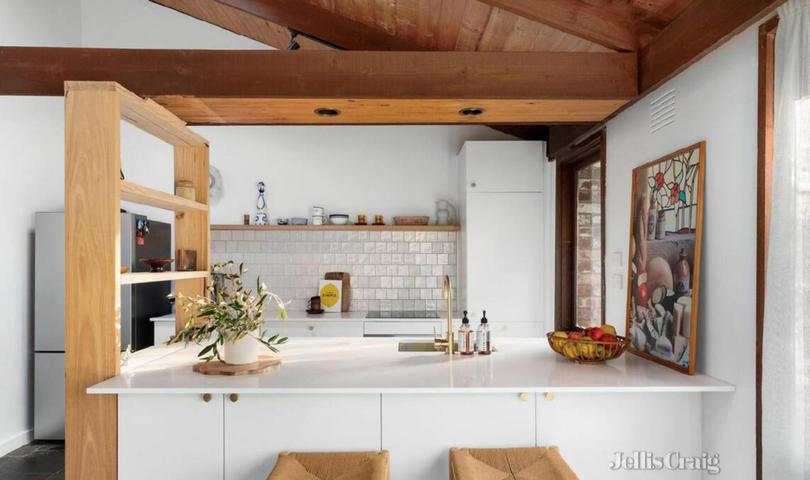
664	269
673	186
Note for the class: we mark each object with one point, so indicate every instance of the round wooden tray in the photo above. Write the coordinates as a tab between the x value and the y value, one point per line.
215	367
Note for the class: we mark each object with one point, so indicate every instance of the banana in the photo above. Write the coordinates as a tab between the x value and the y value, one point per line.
570	351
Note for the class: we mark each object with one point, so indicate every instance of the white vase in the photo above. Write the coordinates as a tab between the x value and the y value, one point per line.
241	352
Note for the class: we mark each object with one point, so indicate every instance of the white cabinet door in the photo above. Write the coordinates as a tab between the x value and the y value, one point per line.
419	430
504	257
169	436
297	328
591	428
258	427
504	166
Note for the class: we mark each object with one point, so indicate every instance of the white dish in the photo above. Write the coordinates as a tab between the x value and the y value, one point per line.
339	219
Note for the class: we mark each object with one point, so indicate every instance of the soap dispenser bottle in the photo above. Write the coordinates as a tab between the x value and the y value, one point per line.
466	337
483	338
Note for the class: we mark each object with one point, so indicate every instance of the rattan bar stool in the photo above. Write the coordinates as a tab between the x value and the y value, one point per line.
331	466
532	463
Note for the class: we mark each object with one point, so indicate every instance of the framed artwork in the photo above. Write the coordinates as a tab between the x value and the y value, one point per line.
666	215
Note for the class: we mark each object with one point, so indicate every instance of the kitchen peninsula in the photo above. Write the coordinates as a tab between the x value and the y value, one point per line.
364	394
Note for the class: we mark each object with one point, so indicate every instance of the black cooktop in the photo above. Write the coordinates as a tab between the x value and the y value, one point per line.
402	314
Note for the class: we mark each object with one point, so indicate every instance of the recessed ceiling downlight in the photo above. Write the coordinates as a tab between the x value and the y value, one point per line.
327	112
471	111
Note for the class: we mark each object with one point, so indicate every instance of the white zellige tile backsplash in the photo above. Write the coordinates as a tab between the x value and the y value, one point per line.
389	270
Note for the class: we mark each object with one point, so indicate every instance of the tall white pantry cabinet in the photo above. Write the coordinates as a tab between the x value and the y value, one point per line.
504	256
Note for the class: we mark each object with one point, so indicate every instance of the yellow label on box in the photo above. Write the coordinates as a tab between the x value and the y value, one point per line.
329	295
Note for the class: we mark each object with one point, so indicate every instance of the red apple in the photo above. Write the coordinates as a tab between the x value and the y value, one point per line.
575	335
596	333
611	341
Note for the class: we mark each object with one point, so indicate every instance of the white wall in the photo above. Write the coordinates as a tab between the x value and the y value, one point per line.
143	24
717	102
389	170
31	180
40	23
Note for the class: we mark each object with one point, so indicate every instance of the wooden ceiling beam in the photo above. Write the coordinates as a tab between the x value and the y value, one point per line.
600	22
701	28
313	20
387	111
324	73
240	22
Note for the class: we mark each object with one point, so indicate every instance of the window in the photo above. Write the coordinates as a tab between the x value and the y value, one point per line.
588	247
579	285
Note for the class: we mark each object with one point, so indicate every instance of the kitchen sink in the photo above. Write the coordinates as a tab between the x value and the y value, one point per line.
417	347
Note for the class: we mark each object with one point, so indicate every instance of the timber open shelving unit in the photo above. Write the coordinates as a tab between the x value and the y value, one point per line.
93	279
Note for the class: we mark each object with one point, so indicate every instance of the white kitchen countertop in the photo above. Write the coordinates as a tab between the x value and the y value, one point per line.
373	365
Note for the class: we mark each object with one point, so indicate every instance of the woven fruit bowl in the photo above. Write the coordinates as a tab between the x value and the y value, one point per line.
586	350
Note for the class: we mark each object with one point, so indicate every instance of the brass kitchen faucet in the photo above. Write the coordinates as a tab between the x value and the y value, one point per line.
447	343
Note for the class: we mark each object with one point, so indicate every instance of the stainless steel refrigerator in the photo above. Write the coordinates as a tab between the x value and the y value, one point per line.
140	238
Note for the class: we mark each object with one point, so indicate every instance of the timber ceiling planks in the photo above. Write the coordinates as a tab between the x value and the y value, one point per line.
663	37
466	25
667	35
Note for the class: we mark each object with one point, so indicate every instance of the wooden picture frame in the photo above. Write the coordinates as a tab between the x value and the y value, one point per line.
664	257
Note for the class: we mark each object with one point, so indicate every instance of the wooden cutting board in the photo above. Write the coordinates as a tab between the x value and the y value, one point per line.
215	367
346	299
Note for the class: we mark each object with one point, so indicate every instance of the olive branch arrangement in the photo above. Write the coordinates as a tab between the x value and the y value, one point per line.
231	312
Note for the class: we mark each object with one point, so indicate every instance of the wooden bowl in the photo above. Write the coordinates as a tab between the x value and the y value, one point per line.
156	264
588	351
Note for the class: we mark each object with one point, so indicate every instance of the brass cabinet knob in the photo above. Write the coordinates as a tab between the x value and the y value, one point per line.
206	397
550	396
524	396
234	397
311	328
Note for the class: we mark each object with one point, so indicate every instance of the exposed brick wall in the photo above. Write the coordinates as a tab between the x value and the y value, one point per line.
588	248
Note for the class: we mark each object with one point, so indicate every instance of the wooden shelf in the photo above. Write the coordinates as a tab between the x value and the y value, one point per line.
131	278
145	114
313	228
132	192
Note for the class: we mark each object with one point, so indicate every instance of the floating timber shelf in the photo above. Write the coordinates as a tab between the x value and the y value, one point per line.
132	278
132	192
313	228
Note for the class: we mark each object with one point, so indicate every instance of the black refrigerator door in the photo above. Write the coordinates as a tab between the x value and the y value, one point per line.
148	300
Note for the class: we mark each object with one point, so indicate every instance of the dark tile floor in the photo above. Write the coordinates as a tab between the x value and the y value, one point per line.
39	460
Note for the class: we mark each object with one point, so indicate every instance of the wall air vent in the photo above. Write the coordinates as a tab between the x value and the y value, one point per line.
662	110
